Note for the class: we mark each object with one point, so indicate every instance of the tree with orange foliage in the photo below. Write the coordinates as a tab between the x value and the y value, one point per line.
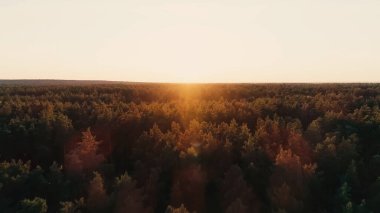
290	181
85	156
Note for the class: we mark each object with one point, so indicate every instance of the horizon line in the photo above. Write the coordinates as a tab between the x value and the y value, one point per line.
180	82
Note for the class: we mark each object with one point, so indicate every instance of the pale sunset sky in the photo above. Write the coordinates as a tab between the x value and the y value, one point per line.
191	40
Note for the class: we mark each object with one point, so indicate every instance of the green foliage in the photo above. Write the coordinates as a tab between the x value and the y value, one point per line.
35	205
180	209
72	207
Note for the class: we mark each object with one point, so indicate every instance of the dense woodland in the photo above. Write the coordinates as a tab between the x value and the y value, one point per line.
145	148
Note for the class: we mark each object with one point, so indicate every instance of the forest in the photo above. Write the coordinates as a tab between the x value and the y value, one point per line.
184	148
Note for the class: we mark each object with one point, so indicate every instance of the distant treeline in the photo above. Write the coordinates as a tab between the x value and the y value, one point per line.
143	148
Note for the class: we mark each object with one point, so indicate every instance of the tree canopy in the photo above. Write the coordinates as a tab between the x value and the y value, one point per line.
190	148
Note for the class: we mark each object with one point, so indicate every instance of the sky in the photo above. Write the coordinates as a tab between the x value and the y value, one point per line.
191	40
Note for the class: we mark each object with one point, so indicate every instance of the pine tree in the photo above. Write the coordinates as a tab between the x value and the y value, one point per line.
84	157
97	197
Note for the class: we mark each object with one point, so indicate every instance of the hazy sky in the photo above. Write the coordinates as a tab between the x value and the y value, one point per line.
196	41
